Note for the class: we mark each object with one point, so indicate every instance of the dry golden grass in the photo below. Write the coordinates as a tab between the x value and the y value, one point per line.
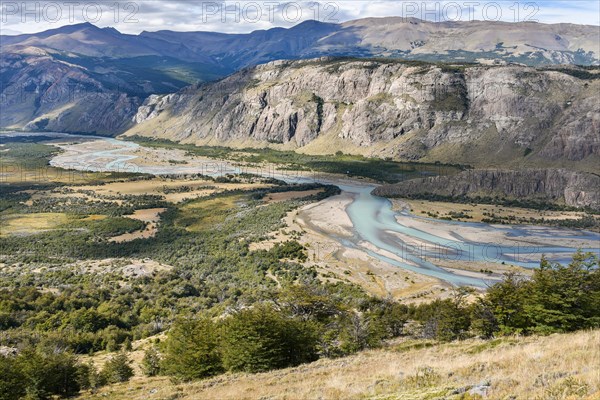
14	171
421	207
204	214
546	368
29	224
156	186
285	196
150	216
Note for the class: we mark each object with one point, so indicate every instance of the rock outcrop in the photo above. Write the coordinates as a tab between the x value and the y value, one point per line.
576	189
479	115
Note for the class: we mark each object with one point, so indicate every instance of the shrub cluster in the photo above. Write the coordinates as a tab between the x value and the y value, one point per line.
43	372
274	335
303	323
557	298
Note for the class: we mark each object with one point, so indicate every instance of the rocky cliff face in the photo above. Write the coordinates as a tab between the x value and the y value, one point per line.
550	185
478	115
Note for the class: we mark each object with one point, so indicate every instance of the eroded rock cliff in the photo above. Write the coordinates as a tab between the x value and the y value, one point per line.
577	189
480	115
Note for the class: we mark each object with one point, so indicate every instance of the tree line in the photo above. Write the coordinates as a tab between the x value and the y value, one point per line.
304	324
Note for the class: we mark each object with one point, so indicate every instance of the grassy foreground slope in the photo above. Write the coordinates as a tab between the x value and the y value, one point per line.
559	366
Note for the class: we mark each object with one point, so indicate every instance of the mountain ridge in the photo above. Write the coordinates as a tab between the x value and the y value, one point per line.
87	68
487	116
378	37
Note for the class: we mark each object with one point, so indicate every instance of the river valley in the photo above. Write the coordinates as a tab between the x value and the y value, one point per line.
422	245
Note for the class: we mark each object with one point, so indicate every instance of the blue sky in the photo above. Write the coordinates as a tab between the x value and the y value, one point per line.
247	15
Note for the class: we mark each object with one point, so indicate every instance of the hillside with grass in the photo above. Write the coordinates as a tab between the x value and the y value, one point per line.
559	366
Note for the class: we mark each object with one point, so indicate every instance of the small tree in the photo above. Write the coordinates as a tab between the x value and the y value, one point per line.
11	379
47	372
360	332
151	362
309	302
117	369
447	319
483	320
506	300
261	339
191	350
127	346
88	377
387	316
564	298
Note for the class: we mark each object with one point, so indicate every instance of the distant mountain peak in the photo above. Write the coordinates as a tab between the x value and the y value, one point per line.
69	30
111	30
312	22
396	37
75	27
143	64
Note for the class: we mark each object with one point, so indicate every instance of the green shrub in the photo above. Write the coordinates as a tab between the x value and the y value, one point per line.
564	298
191	350
88	377
291	250
11	379
117	369
557	298
445	320
47	372
151	362
506	302
389	316
261	339
360	332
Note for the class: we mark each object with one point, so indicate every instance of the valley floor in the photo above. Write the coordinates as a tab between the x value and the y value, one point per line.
565	366
324	227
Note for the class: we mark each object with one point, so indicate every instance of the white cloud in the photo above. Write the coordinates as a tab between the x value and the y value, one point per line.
248	15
